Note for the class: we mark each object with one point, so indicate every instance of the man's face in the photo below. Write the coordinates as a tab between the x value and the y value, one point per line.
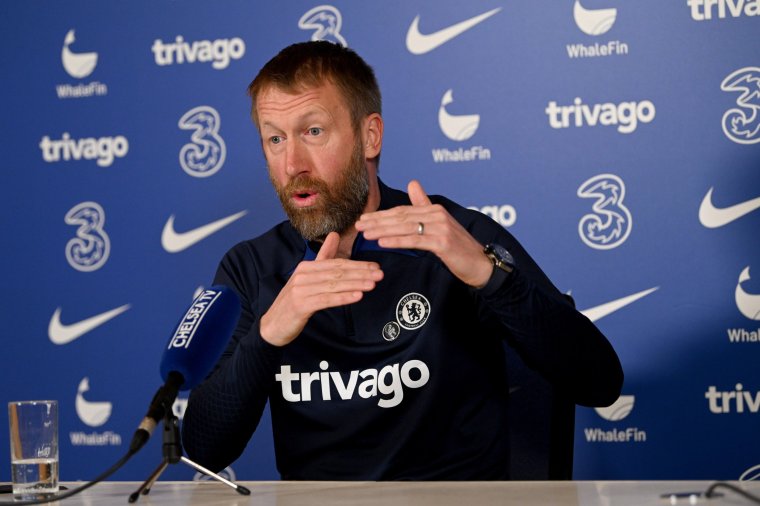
316	161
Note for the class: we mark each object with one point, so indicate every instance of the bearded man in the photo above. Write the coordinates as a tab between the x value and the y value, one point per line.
374	321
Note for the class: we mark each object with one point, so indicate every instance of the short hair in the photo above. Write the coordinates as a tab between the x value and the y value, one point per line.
311	64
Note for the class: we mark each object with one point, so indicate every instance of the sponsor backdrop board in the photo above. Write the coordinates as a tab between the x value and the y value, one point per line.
618	140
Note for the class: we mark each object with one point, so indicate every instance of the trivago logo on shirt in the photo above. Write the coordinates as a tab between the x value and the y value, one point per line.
388	383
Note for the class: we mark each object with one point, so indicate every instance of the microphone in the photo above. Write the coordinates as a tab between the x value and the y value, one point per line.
196	344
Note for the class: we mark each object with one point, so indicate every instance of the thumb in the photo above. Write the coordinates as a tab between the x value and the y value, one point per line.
330	247
417	194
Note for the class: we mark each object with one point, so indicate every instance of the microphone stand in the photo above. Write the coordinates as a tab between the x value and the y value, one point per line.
172	453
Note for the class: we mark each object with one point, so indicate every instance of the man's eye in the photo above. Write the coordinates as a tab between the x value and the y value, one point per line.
315	131
275	139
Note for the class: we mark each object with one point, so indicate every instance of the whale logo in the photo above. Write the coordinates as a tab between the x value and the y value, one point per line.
748	304
326	22
593	21
618	410
93	414
78	65
456	128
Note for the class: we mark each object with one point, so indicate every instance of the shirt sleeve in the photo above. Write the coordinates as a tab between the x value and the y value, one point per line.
545	329
225	409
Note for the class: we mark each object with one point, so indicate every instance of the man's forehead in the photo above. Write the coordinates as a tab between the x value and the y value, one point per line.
277	97
273	103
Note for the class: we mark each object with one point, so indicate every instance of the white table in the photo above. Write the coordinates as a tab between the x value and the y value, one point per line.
575	493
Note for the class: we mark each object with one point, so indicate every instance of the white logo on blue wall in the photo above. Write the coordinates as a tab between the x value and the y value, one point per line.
505	215
748	304
91	413
742	124
103	150
593	21
714	217
326	22
456	128
702	10
421	43
732	401
610	223
205	154
78	65
218	52
89	250
620	409
625	115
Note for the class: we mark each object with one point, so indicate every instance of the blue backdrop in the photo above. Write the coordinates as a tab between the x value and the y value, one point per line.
618	140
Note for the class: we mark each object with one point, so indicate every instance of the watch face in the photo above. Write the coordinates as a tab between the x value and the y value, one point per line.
501	254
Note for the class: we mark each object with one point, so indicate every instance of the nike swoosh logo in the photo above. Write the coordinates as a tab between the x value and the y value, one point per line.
174	242
64	334
713	217
418	43
599	312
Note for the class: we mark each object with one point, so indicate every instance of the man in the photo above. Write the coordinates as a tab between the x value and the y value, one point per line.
374	321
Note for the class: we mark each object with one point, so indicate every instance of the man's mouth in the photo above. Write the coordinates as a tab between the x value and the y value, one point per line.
304	198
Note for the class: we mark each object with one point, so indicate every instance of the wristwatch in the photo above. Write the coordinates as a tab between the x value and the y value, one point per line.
500	257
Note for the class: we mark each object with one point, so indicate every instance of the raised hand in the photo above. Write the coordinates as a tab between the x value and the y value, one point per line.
314	285
429	227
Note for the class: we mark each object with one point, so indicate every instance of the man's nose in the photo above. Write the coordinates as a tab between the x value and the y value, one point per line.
296	159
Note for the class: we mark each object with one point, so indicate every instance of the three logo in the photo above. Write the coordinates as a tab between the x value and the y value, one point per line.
205	154
89	250
610	223
326	21
742	124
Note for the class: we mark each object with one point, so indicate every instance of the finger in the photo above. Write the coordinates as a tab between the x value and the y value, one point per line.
417	194
329	248
333	264
332	277
409	227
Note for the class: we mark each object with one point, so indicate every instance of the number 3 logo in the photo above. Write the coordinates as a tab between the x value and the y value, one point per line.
89	250
610	224
204	156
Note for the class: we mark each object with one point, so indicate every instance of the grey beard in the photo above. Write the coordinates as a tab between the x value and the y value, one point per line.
342	203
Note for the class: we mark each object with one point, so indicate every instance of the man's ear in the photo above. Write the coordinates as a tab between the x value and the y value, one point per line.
372	135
